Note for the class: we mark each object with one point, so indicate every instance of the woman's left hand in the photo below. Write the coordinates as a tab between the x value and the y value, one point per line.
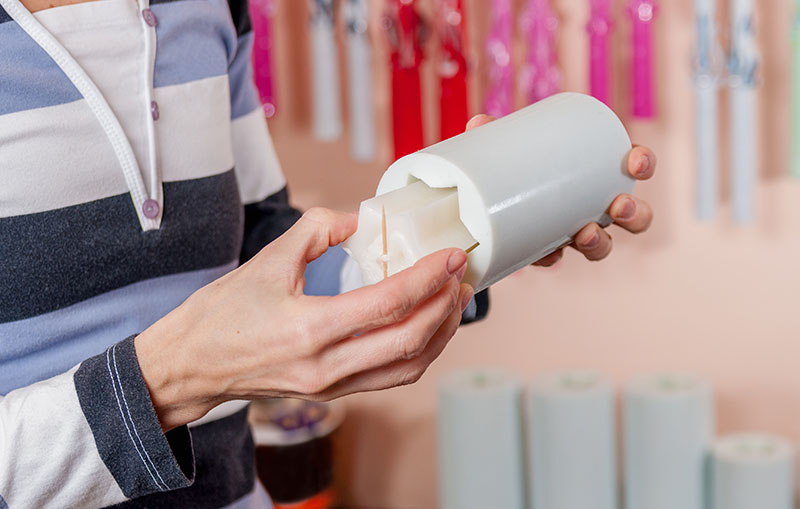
627	211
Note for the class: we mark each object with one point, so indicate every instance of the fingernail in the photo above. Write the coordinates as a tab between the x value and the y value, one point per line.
628	210
592	241
466	299
456	261
643	166
461	272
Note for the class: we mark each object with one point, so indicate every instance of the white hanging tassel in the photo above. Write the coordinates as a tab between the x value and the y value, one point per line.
359	66
325	71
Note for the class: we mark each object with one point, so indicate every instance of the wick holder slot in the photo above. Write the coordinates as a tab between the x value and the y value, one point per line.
398	228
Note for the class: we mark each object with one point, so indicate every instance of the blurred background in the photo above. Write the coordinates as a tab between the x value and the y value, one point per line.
714	298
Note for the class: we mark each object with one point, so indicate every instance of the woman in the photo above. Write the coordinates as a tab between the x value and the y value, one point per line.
137	175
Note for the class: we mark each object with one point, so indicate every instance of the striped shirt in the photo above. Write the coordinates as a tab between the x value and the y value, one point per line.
135	167
130	176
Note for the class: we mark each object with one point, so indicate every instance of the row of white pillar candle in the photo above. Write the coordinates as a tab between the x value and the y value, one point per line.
556	448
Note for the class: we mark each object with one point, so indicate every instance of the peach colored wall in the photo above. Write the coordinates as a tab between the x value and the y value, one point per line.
712	298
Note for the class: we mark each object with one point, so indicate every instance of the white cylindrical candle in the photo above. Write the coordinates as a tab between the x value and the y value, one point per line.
572	442
359	65
327	112
707	106
480	441
744	62
526	184
753	471
668	430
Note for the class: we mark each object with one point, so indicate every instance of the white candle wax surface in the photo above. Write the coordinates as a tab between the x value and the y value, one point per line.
398	228
525	185
753	470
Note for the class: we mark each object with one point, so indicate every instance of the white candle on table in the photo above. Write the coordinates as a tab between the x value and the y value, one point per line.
668	430
480	441
753	471
572	435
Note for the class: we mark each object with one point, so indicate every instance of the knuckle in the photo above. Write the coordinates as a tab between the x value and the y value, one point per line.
410	345
312	379
307	341
389	308
412	375
315	214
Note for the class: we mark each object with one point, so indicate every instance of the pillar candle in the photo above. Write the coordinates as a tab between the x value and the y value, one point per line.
753	471
572	442
668	429
480	441
525	185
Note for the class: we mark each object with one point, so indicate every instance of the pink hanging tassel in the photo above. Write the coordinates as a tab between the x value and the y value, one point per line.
261	14
599	28
541	76
499	97
643	13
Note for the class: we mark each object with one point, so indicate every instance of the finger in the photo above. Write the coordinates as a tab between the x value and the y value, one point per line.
551	259
593	242
316	231
404	340
402	372
631	213
479	120
641	163
388	301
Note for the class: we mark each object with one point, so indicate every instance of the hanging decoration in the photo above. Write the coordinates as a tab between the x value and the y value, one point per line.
327	114
599	27
541	77
500	95
406	31
742	68
452	68
643	14
796	90
706	82
359	66
262	13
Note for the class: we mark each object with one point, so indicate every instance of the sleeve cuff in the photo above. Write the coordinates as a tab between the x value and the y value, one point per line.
477	309
116	404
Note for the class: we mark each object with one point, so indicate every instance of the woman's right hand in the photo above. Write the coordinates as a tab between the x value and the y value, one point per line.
254	334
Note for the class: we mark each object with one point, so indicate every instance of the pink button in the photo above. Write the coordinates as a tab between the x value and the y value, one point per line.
150	209
154	110
149	17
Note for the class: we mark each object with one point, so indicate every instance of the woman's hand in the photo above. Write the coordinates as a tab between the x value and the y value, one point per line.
627	211
253	333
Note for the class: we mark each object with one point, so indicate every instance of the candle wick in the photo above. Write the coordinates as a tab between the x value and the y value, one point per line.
385	257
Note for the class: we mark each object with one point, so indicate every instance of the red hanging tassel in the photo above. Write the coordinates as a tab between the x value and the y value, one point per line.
452	68
406	31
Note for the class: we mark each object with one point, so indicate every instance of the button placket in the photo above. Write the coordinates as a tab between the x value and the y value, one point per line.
153	205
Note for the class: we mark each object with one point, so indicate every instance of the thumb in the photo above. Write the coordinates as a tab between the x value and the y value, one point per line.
316	231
